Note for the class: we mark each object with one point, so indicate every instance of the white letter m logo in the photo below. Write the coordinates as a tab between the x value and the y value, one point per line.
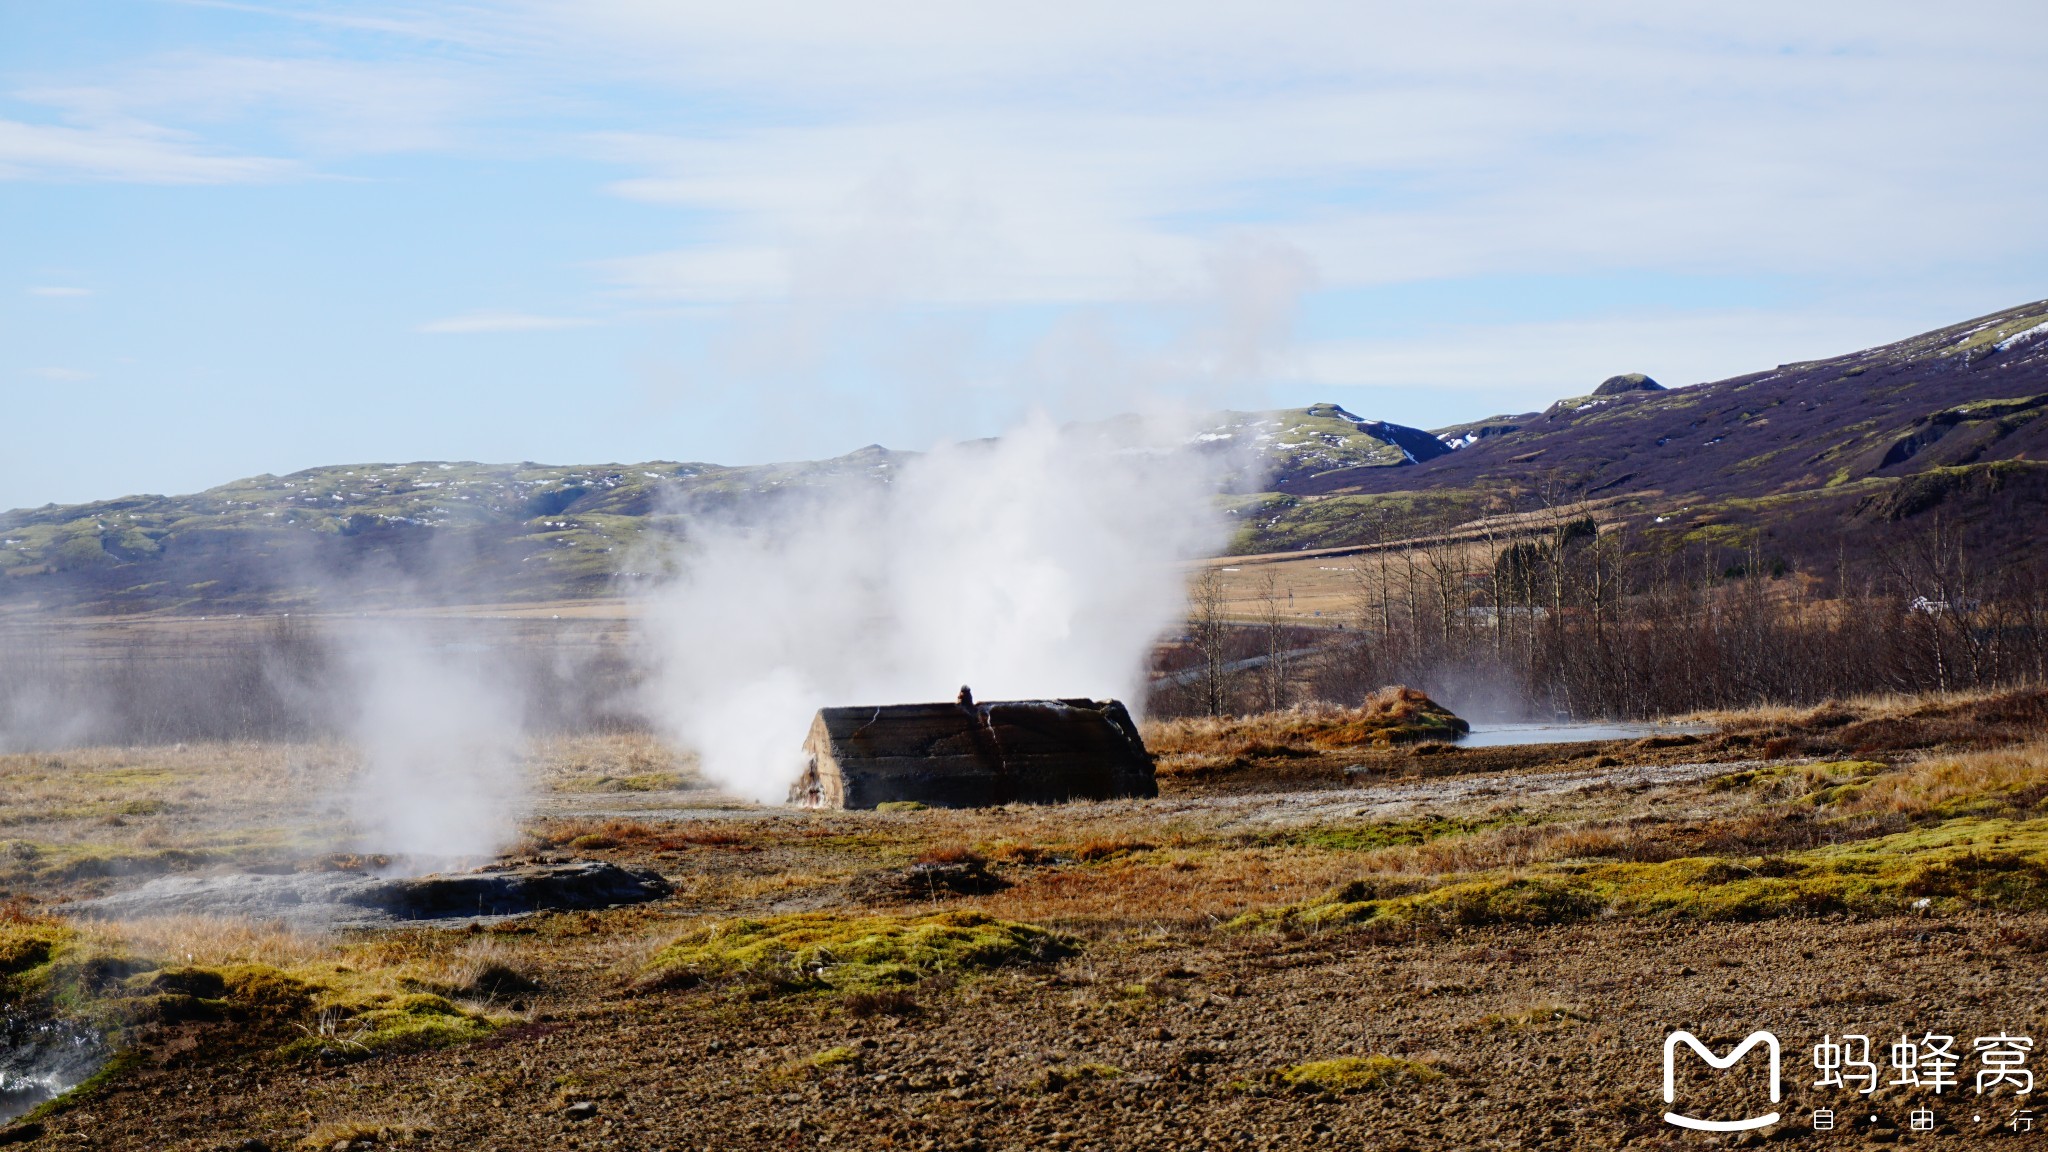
1670	1087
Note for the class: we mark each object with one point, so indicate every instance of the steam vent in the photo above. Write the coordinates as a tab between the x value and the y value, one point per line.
973	755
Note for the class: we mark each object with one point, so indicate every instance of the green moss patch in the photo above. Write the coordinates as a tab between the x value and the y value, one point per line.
405	1023
1067	1075
859	952
819	1063
1357	1074
310	1009
1956	864
29	944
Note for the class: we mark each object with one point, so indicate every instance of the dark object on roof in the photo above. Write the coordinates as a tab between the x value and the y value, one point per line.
973	755
1631	382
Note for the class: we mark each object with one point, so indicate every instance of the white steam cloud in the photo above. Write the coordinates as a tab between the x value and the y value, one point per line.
441	738
1042	564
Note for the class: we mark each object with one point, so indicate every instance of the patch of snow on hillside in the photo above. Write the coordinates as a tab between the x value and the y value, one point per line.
2026	337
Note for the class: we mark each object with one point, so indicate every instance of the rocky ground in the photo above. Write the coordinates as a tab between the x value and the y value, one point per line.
1536	1038
1172	1007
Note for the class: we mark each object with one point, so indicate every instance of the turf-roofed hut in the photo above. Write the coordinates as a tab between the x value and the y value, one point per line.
973	755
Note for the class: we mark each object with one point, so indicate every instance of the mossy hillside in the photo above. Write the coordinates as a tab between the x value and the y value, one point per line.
1288	524
1301	441
2004	328
1961	863
850	953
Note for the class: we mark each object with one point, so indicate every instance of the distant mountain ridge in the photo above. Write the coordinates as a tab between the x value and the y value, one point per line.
1949	415
1804	453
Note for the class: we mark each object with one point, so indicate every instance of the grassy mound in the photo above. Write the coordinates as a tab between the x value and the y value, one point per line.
858	952
295	1009
1393	715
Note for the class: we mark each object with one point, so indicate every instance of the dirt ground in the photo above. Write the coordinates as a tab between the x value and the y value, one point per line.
1187	1012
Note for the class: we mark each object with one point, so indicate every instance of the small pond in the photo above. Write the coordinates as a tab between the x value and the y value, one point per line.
43	1059
1503	735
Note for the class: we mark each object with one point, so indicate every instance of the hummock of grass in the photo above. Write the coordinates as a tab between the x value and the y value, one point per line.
1815	784
1393	715
1358	1074
1963	863
409	1022
859	952
313	1008
27	944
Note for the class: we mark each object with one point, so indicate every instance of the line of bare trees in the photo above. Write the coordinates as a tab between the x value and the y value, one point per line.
1561	619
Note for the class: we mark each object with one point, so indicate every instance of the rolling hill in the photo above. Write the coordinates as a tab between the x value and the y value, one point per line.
1809	458
1804	454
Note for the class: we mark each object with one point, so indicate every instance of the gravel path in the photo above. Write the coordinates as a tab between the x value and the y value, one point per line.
1365	801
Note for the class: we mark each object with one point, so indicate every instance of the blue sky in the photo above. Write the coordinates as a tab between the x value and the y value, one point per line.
254	237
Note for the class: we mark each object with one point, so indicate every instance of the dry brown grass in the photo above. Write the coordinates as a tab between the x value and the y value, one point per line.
1391	716
1872	724
209	941
618	762
2009	777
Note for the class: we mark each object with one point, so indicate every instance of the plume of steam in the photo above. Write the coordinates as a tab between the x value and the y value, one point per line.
440	736
1045	563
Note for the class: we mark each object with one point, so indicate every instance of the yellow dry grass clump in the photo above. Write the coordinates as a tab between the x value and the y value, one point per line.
1393	715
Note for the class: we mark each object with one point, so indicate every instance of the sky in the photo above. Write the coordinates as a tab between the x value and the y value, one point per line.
248	237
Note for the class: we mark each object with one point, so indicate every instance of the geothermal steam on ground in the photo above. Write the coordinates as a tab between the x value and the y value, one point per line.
1041	564
440	738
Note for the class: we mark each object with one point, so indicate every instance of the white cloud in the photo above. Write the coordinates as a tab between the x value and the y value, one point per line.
58	290
325	106
64	375
1073	152
1069	150
125	151
470	323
